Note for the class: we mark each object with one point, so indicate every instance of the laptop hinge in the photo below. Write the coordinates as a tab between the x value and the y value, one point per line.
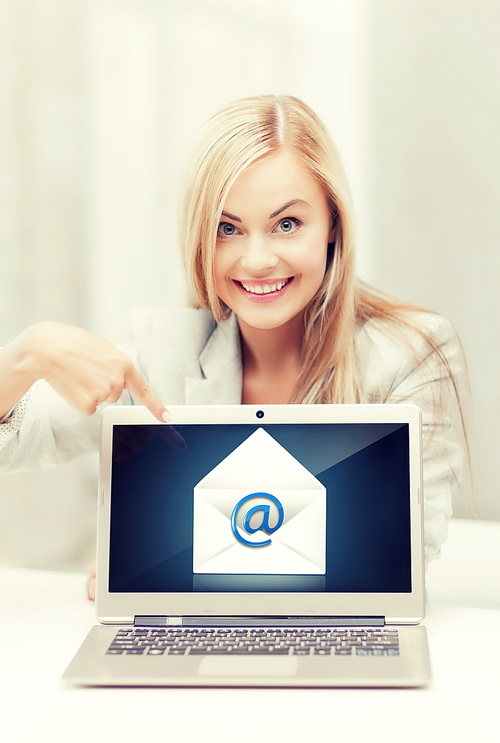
259	621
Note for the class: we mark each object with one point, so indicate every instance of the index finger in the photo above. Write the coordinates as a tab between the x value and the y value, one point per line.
142	392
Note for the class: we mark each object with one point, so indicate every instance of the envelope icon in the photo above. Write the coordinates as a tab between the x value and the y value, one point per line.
259	512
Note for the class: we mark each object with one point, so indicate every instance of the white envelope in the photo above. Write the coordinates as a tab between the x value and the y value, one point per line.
260	465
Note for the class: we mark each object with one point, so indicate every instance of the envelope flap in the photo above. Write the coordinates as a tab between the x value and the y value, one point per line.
260	463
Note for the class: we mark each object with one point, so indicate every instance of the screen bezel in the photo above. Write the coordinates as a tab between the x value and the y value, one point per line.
395	607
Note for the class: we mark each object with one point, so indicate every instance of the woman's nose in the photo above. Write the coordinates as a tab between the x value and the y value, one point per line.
258	256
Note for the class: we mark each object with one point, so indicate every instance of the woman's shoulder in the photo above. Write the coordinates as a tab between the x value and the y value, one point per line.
168	344
388	350
165	345
418	328
183	326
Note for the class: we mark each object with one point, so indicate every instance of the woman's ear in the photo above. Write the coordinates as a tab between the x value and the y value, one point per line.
332	235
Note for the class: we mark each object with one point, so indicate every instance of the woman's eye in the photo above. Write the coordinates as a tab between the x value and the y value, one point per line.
226	229
288	224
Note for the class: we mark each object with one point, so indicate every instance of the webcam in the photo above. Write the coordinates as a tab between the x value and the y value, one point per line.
259	413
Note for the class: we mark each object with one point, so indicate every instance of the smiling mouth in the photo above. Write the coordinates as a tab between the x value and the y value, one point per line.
269	288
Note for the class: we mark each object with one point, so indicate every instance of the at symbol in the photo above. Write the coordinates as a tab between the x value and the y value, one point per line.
264	525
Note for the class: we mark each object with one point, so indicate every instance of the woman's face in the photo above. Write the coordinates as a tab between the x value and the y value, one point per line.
272	242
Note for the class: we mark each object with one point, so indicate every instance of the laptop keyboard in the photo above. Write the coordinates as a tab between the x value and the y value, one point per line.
295	641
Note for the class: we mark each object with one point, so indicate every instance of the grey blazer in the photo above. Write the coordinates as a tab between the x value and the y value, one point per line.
187	358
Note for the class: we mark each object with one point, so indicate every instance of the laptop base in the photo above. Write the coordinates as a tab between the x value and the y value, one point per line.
92	666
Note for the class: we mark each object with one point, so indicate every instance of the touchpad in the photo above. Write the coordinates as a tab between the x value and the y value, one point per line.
247	666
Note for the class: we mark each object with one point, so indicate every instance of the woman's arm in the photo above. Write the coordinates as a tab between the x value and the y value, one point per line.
409	370
434	383
63	365
84	369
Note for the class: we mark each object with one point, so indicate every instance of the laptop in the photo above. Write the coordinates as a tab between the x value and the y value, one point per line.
279	545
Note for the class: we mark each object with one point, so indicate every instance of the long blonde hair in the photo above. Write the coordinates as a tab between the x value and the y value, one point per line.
230	142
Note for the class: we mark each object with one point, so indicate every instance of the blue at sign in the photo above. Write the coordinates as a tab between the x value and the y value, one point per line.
264	525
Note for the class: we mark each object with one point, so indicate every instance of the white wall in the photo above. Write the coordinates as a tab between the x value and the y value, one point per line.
435	186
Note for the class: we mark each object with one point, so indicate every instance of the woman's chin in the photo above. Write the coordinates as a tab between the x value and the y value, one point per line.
267	321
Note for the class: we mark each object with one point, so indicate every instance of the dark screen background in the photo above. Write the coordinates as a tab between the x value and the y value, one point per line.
364	468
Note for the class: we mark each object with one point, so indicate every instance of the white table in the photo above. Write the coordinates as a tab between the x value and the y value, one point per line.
44	616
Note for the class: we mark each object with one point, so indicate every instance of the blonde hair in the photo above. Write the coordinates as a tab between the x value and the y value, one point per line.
231	141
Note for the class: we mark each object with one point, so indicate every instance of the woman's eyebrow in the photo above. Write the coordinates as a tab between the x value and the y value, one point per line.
285	206
231	216
274	214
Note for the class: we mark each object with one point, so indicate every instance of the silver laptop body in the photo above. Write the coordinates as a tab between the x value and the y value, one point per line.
259	546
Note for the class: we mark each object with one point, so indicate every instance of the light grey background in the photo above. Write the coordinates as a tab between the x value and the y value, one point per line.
99	100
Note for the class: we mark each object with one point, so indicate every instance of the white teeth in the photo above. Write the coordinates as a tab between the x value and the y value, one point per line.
263	288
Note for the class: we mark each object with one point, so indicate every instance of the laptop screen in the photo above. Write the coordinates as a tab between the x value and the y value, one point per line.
308	507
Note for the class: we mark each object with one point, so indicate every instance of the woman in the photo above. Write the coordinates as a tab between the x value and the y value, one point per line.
278	317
